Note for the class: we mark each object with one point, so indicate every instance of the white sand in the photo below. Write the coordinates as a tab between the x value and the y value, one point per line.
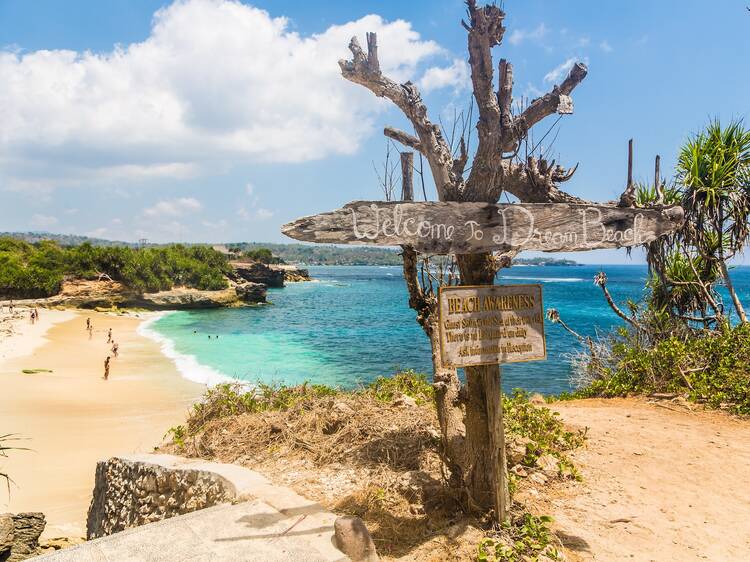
71	417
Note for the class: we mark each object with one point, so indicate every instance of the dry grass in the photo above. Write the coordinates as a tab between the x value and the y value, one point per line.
371	453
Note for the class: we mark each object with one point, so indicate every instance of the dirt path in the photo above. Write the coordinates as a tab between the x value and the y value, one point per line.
661	483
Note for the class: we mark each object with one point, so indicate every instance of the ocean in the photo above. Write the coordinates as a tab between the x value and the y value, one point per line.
353	324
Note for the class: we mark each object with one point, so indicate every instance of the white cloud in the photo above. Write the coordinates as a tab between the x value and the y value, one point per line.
43	221
221	224
249	188
456	76
173	208
263	214
556	74
98	232
518	36
216	82
605	46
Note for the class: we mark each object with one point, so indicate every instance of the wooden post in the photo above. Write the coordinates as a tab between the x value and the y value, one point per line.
630	164
492	382
407	176
657	180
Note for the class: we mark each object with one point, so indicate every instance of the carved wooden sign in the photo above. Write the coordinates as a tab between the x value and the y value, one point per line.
483	325
463	228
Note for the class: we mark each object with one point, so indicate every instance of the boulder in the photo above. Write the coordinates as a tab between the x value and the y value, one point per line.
548	464
250	292
292	273
19	535
516	449
257	272
353	539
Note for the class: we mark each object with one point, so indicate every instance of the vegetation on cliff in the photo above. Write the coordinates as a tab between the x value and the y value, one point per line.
683	339
38	270
375	453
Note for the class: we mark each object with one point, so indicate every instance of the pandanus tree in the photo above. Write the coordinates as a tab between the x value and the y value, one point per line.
714	172
470	414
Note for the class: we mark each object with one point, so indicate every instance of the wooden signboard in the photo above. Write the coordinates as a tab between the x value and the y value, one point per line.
490	324
462	228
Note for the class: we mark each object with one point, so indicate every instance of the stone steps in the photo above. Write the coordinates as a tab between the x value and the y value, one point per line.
263	521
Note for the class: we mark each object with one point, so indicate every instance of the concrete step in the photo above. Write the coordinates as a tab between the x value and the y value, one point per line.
247	531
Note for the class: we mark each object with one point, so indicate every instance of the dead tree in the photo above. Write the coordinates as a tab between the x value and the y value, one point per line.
470	420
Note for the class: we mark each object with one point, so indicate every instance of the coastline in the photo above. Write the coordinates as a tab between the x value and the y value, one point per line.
71	418
187	365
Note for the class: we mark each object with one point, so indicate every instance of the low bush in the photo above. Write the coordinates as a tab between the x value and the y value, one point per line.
38	270
711	367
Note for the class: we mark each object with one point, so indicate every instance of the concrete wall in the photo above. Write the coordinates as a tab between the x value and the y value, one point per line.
133	491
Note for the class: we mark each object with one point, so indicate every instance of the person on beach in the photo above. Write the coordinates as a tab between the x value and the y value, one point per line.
115	349
32	317
109	336
106	368
88	323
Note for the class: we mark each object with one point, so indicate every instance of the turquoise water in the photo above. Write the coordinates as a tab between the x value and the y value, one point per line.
354	324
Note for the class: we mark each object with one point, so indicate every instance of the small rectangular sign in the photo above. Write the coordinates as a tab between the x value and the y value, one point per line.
491	324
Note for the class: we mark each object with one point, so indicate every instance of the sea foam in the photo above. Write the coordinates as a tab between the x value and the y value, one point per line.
187	365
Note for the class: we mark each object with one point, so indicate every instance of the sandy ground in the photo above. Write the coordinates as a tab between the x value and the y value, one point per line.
71	418
662	482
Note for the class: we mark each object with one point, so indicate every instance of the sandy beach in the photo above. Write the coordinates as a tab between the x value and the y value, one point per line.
71	418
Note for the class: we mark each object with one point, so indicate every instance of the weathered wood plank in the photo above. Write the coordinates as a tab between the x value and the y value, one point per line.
448	227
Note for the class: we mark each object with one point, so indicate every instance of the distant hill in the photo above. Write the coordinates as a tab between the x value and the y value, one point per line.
308	254
544	261
320	254
64	239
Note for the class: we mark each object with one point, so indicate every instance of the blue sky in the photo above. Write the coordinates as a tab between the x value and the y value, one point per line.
212	120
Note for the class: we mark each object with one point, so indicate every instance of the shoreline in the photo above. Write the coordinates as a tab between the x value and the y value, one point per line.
189	367
70	418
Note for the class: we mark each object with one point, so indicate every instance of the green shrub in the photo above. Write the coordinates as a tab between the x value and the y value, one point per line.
542	425
521	538
409	382
711	367
37	270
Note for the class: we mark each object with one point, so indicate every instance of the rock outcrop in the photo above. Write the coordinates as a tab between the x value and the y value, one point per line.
111	294
129	493
183	298
19	535
257	272
292	273
250	292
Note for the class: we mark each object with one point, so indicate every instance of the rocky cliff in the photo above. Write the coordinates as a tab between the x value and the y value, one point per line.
110	294
257	272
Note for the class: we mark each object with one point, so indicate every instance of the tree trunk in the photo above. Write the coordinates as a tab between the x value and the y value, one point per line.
485	437
732	293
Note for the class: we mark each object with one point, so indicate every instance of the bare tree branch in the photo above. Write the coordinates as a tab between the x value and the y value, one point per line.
404	138
365	70
556	101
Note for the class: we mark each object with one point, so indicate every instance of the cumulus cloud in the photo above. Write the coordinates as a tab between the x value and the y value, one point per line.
559	72
43	221
216	82
173	208
455	76
605	46
518	36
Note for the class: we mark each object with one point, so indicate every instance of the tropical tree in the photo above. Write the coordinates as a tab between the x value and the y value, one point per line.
713	171
470	414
